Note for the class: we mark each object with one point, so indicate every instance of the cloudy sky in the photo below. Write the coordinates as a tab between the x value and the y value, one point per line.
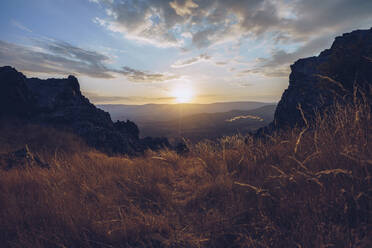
164	51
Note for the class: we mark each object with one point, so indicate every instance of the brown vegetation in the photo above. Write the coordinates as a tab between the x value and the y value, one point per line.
307	187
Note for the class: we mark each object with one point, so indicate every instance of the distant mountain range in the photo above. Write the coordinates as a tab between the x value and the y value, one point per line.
165	112
195	121
211	125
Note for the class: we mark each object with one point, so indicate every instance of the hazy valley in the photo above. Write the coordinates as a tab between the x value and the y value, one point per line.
195	121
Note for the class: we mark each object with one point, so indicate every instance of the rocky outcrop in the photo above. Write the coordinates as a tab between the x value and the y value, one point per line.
59	103
15	97
22	158
315	83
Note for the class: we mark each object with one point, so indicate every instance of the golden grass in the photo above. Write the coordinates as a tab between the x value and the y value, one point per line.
307	187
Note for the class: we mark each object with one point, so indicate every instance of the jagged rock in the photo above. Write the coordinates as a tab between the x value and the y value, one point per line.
60	103
315	83
127	127
15	97
21	158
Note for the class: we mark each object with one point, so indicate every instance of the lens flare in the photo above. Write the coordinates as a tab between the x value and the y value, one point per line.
183	94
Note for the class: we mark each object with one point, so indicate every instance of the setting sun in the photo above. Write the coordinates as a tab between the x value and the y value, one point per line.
183	94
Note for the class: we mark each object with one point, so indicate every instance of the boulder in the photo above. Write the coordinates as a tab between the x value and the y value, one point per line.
22	158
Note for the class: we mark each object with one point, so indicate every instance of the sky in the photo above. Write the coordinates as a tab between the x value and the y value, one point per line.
170	51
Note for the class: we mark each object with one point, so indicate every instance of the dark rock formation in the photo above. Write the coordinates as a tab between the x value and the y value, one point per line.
59	103
315	83
15	97
21	158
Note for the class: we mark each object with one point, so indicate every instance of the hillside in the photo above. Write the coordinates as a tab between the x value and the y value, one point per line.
309	189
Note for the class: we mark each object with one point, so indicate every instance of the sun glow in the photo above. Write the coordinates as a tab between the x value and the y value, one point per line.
183	94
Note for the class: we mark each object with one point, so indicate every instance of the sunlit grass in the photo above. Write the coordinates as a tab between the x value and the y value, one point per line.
307	187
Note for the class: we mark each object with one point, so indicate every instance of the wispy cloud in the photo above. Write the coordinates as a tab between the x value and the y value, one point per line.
20	26
194	60
222	63
138	76
277	65
52	56
105	99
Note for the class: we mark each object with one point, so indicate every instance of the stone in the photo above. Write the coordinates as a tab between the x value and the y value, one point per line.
22	158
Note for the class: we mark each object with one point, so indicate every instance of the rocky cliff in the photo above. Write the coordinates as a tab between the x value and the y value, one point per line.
315	83
59	103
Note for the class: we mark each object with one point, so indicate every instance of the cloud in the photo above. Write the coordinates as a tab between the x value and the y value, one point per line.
138	76
245	85
49	56
145	21
98	98
165	22
282	71
222	63
20	26
319	17
101	1
183	8
291	29
104	99
278	64
194	60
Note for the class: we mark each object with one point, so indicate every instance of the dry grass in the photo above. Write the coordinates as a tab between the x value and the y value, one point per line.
308	187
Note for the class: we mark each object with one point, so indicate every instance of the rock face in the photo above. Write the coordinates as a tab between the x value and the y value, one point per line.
315	83
59	103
